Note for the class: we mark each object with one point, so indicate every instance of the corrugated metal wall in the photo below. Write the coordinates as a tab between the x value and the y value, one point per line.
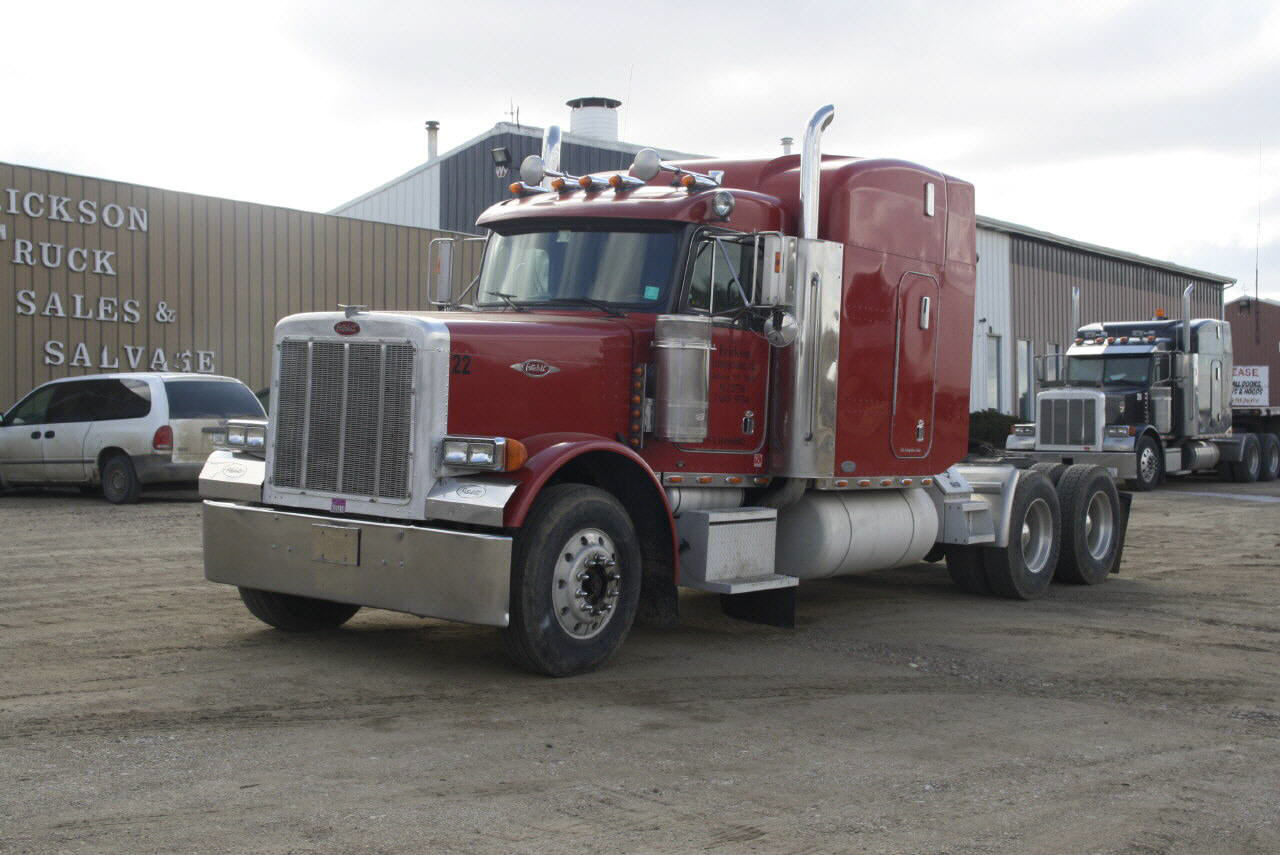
991	321
413	200
1111	289
208	276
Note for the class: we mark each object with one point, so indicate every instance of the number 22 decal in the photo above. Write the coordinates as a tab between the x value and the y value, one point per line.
461	363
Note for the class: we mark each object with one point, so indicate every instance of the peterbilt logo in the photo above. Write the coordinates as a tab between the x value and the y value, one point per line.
346	328
535	368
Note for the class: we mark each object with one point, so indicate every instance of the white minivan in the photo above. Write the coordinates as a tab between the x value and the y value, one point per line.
120	431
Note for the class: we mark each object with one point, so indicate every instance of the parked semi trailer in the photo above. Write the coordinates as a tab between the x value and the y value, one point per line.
726	375
1148	399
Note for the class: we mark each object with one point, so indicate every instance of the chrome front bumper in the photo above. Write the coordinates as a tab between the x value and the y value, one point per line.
430	572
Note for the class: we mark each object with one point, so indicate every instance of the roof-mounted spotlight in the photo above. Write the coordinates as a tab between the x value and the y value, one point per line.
532	172
722	204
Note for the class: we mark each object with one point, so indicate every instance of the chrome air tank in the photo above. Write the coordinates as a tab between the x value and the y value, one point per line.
682	351
841	533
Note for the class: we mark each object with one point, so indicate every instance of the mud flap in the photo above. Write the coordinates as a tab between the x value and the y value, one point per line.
772	607
1126	499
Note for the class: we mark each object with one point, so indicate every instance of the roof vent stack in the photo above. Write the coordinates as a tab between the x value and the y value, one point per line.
433	142
594	117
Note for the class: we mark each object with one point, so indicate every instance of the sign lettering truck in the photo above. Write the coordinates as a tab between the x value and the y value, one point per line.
726	375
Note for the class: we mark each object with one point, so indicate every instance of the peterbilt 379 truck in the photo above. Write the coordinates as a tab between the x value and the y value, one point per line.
1146	399
725	375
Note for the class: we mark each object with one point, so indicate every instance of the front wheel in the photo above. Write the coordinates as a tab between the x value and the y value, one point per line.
1149	464
575	581
296	614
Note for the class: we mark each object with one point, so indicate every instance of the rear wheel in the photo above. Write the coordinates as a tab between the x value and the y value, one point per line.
120	485
1249	467
1023	569
1091	525
575	581
1052	471
1270	469
1149	468
296	614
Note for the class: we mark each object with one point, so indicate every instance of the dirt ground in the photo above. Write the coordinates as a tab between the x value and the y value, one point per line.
143	710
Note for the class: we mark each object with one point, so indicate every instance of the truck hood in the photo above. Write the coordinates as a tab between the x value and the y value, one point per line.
519	374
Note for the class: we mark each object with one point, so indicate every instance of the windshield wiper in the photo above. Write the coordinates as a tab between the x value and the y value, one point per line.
509	299
581	301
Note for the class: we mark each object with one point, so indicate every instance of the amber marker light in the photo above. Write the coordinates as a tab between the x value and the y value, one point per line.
886	482
704	479
675	479
615	181
864	483
558	184
733	479
517	454
688	180
926	482
515	188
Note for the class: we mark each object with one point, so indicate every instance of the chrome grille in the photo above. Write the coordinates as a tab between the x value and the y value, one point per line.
344	418
1068	421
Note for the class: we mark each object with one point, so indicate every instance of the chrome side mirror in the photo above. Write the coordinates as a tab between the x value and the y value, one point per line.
780	328
647	164
532	170
440	270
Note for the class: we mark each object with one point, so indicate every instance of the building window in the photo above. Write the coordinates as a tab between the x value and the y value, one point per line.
993	372
1023	366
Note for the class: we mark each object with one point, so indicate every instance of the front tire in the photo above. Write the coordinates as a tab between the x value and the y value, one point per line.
575	581
1149	469
296	614
120	484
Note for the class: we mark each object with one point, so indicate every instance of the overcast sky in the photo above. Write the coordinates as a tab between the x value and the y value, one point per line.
1147	126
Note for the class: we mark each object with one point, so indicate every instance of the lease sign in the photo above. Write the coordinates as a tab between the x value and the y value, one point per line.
1249	386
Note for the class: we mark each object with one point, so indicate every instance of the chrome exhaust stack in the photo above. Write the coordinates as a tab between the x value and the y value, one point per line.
1186	317
811	170
1075	313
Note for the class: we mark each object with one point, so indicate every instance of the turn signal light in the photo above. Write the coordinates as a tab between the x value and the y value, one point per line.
688	180
163	439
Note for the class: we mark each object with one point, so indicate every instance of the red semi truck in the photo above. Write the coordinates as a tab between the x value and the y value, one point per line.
725	375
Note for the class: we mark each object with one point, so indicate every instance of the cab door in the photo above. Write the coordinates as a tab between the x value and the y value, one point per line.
738	390
22	438
915	366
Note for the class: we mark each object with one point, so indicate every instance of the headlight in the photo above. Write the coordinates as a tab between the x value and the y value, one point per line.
1120	430
1024	430
722	204
498	453
249	436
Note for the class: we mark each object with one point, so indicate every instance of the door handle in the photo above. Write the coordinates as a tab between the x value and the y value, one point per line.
48	434
35	434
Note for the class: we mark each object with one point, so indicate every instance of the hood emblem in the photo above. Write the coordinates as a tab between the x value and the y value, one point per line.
535	368
346	328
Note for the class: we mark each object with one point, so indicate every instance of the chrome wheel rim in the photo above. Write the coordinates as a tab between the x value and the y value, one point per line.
1037	536
1099	525
1273	460
1252	460
1147	464
586	584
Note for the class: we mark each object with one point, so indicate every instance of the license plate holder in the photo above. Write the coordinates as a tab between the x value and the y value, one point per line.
335	544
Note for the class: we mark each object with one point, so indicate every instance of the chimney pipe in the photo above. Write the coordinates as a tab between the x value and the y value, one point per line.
811	170
786	144
433	132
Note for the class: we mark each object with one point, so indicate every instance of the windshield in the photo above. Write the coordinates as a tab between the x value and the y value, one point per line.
625	267
1109	370
203	399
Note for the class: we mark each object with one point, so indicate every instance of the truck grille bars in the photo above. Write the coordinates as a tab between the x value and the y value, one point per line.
344	418
1068	421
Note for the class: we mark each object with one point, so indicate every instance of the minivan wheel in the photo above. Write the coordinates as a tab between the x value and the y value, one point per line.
120	485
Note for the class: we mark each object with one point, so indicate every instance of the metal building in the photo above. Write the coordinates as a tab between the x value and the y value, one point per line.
449	191
101	275
1255	337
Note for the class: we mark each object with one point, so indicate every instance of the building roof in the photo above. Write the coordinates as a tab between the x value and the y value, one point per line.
522	130
1048	237
1248	299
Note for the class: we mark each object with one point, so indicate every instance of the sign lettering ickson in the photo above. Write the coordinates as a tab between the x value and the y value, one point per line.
1250	386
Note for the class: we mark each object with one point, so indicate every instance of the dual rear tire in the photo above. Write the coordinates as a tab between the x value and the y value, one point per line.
1070	532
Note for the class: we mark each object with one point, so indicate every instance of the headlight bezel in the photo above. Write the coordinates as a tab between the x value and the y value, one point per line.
243	435
483	453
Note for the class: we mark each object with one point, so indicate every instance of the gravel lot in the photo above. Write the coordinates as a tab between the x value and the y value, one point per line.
143	710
